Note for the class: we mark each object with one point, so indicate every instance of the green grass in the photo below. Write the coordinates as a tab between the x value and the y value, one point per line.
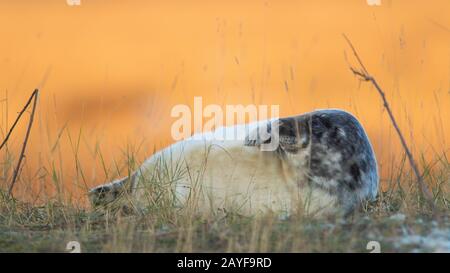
399	213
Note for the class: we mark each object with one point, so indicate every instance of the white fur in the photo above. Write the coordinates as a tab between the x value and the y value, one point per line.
225	174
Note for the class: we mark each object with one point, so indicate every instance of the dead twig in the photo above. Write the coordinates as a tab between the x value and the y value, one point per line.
364	75
33	97
17	120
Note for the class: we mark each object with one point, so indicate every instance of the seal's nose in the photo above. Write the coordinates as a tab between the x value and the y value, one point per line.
98	195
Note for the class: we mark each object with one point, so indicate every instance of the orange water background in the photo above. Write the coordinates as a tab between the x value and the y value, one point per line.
111	71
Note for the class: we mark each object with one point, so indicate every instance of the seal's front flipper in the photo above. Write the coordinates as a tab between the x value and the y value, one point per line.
259	135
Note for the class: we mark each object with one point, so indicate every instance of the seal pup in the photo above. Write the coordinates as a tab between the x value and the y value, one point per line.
323	163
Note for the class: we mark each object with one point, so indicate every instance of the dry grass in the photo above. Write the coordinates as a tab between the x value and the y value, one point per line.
399	212
401	220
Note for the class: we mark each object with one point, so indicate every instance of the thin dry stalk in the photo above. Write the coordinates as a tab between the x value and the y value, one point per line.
17	119
364	75
34	97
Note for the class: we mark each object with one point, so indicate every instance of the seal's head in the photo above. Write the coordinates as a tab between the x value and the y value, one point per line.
106	194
